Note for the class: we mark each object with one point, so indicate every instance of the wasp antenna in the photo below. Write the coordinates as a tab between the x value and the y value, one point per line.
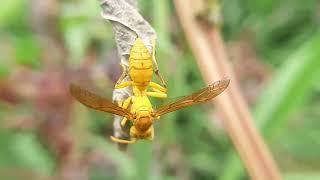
122	141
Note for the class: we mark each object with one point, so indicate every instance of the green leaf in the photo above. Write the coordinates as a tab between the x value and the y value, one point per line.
31	154
27	50
300	176
4	69
11	10
23	150
143	159
290	87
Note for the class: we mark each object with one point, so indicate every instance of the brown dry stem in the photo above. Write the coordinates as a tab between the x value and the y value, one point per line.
208	48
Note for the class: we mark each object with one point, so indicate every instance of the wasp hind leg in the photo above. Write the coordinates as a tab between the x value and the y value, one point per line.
123	75
156	67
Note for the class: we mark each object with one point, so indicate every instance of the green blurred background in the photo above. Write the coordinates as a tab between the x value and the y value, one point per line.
274	46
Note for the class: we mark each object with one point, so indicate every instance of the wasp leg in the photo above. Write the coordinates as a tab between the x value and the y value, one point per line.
125	105
123	75
157	94
159	76
150	138
124	121
157	87
117	140
160	92
156	67
123	84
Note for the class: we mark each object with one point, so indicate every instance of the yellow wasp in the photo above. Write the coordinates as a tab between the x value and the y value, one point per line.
141	113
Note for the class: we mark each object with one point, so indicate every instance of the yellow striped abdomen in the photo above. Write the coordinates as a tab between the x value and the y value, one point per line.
140	64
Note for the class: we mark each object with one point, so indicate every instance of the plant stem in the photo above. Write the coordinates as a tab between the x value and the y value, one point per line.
237	118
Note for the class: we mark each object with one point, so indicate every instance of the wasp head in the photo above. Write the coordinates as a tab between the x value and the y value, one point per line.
143	121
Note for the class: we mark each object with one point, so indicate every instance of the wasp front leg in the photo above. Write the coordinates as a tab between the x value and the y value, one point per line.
125	105
151	136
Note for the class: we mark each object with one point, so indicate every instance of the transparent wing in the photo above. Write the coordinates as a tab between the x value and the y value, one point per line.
96	102
201	96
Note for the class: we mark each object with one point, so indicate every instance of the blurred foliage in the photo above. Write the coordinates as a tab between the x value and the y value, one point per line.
284	33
